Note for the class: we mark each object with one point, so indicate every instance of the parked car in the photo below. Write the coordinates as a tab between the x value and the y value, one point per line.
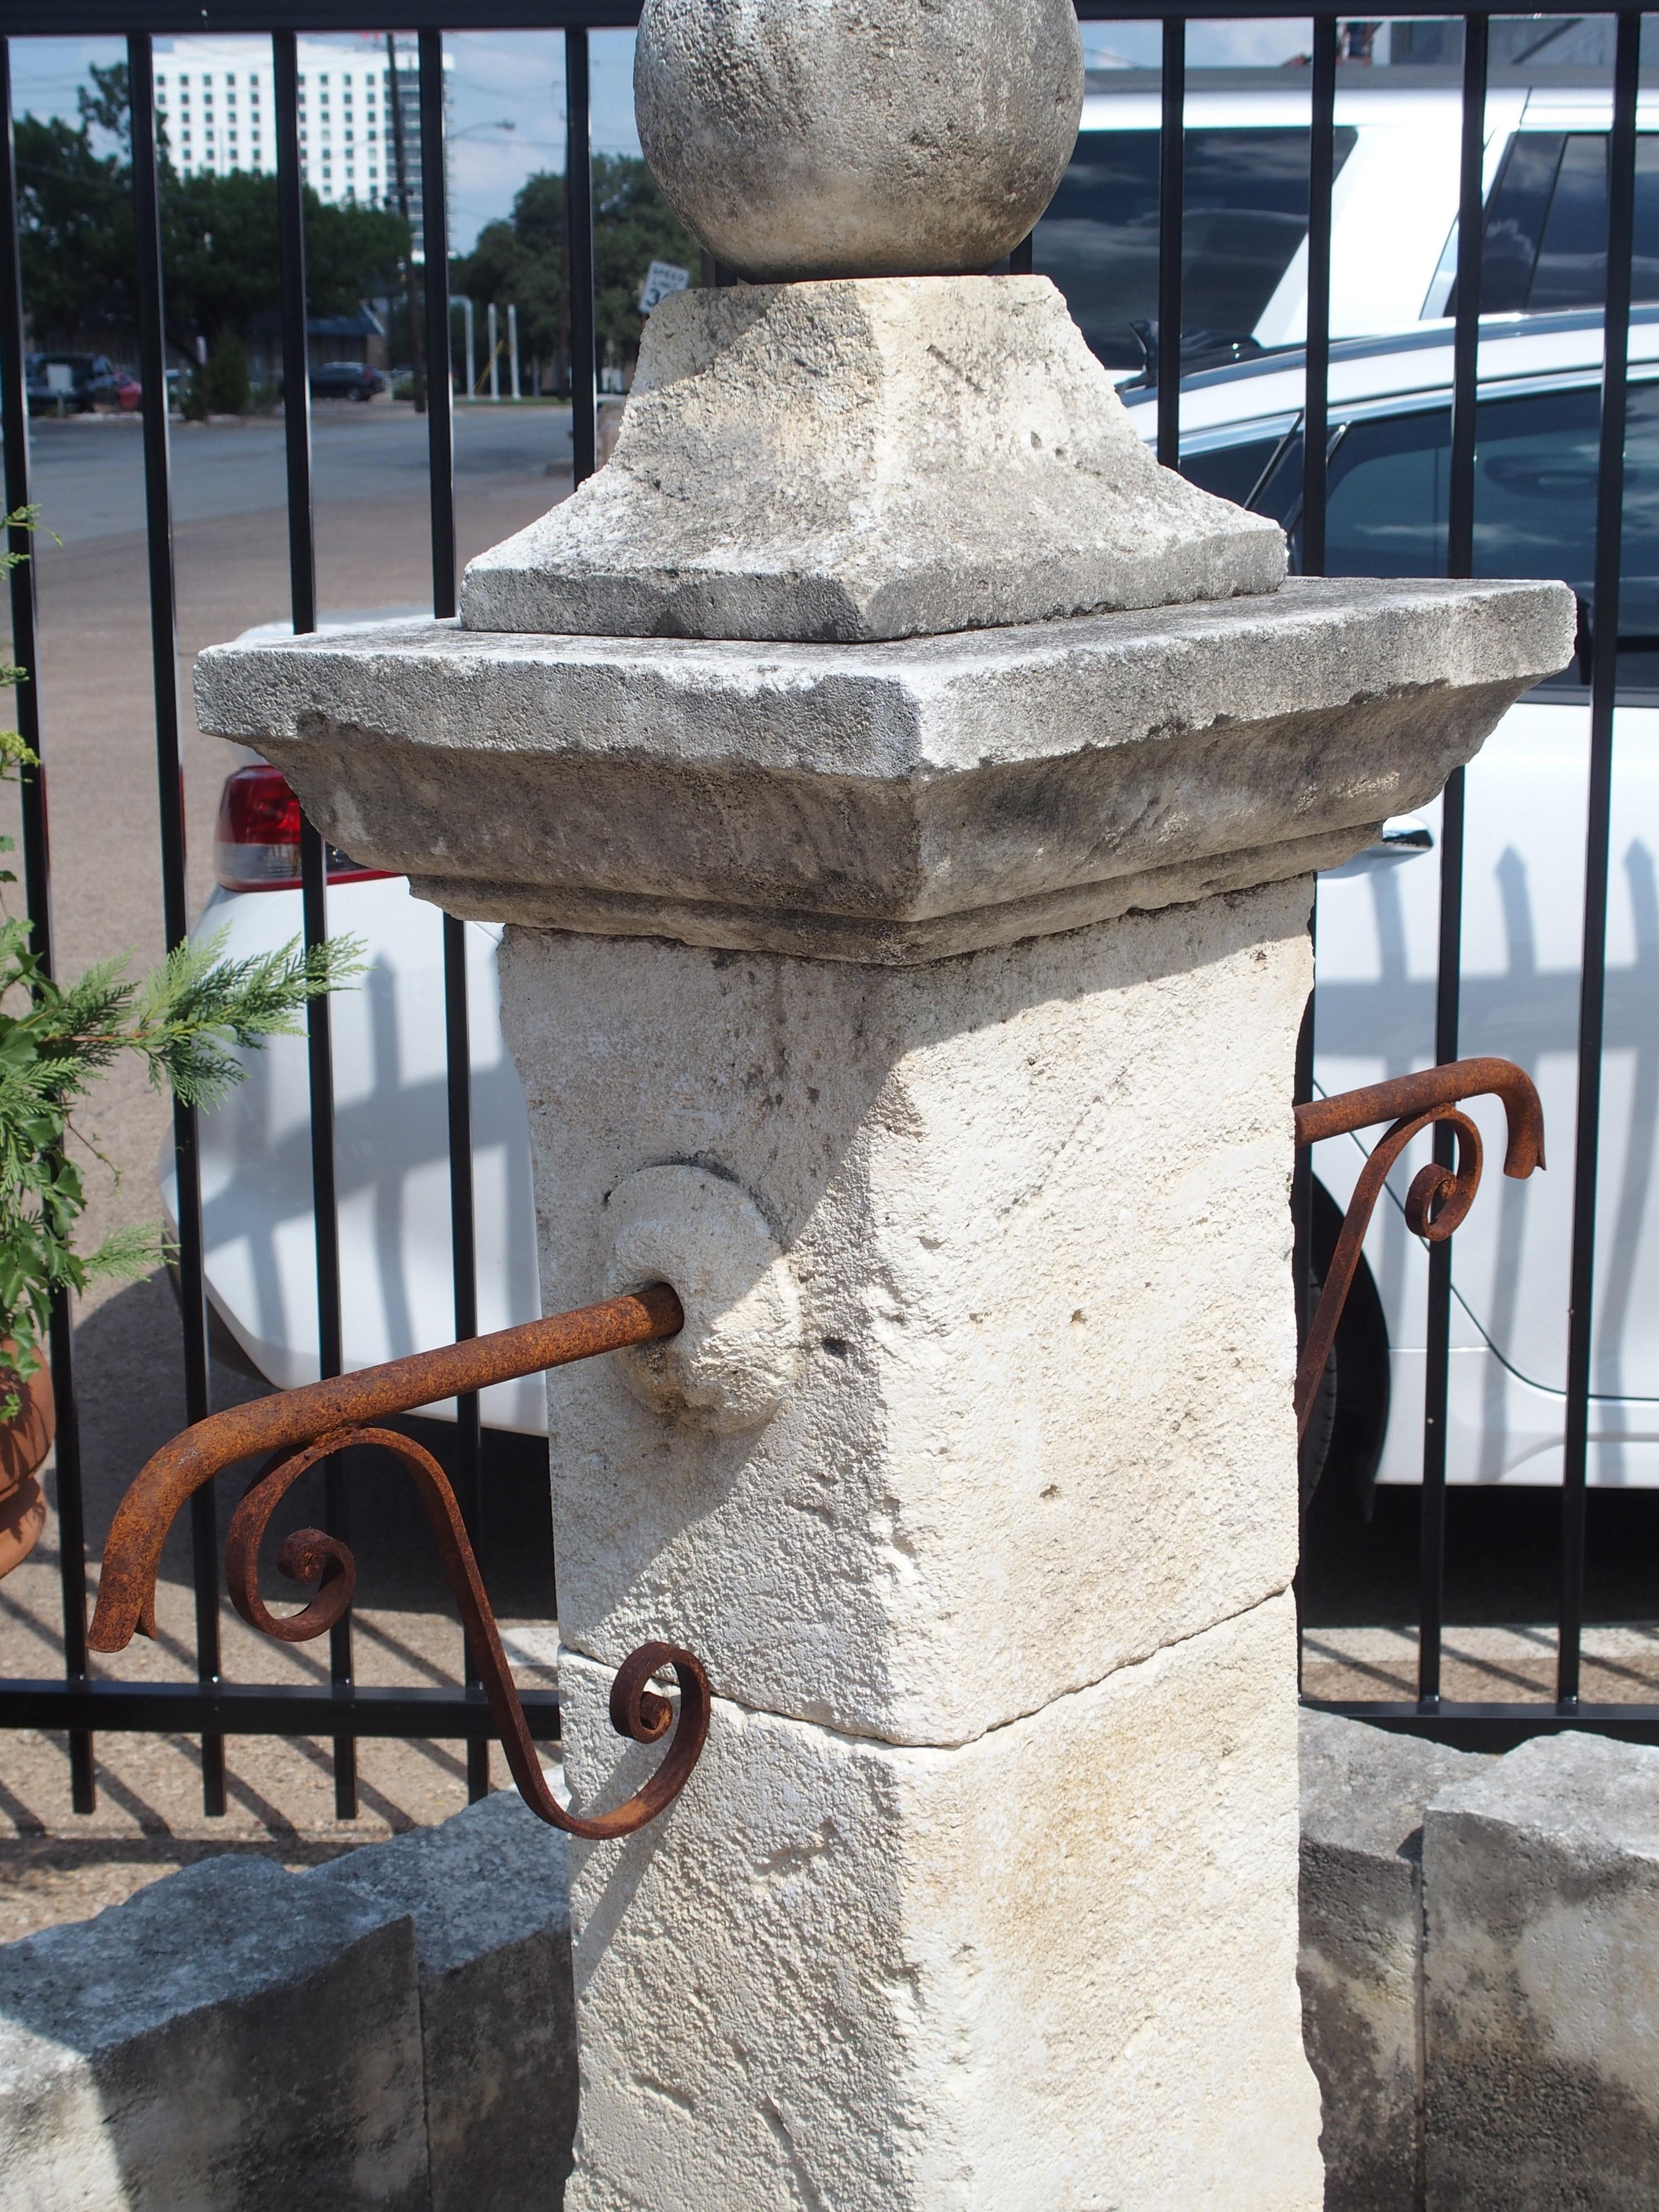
76	383
1523	879
1393	214
346	379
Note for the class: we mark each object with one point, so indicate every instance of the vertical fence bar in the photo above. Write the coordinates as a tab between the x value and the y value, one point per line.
1315	411
1604	677
579	259
1171	190
1315	424
37	891
314	859
1301	1252
296	379
1449	958
440	415
175	901
458	1055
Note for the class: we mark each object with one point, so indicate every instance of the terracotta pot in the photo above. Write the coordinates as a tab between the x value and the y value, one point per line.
25	1440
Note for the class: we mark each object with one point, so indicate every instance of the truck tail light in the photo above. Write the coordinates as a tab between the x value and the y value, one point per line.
256	846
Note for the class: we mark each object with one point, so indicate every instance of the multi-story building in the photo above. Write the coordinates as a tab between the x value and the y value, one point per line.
216	98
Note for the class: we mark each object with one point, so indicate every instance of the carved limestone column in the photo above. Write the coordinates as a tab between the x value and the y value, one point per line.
905	796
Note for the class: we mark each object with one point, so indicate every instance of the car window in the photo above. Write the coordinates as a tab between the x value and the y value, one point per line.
1245	215
1232	472
1546	239
1534	512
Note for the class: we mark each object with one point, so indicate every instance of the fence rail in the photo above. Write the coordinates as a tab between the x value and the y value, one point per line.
343	1710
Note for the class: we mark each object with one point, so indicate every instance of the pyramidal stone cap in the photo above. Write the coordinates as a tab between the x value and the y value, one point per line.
868	458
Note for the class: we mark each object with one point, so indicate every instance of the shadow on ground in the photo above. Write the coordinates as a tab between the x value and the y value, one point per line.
1502	1549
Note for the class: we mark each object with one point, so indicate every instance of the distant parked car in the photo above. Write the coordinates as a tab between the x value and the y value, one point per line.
346	379
74	383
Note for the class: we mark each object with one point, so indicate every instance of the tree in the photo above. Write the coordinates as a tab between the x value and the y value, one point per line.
633	226
107	105
77	232
522	259
220	252
224	381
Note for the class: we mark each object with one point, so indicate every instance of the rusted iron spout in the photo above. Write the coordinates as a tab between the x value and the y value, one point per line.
1428	1089
1439	1197
298	1428
132	1556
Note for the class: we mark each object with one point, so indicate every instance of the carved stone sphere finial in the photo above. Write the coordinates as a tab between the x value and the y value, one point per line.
814	138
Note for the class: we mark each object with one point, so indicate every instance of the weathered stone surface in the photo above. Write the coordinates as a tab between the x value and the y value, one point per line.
1052	1971
1036	1202
1541	2018
738	1356
854	461
859	137
230	2040
487	1894
1363	1795
892	802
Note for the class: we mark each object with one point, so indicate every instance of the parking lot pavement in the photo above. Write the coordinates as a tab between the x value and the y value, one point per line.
99	746
88	472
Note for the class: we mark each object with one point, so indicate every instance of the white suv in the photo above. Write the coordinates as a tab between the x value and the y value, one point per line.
1537	433
1394	206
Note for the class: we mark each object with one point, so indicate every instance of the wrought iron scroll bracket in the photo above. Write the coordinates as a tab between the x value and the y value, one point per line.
298	1428
1439	1198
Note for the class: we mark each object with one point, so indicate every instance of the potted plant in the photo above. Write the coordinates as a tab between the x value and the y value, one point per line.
185	1020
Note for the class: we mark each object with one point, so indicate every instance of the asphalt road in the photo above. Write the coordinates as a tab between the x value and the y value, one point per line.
88	472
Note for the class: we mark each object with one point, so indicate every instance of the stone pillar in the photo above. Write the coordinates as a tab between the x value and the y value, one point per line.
910	946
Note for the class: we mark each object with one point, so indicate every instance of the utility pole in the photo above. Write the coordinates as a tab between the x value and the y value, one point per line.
411	288
494	357
513	346
460	299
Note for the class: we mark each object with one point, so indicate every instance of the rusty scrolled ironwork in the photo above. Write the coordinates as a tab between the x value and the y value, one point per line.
297	1428
1439	1198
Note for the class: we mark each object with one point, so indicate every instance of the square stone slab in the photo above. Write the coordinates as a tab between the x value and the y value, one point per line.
873	458
892	802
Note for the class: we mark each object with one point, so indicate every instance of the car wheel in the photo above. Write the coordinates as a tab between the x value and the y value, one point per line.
1350	1418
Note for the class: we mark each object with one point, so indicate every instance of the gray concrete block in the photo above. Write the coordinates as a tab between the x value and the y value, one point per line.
1364	1794
1541	1982
229	2039
486	1892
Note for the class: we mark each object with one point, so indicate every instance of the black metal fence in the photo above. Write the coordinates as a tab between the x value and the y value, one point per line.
213	1707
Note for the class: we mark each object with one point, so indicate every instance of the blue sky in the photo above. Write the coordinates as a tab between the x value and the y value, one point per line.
517	78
